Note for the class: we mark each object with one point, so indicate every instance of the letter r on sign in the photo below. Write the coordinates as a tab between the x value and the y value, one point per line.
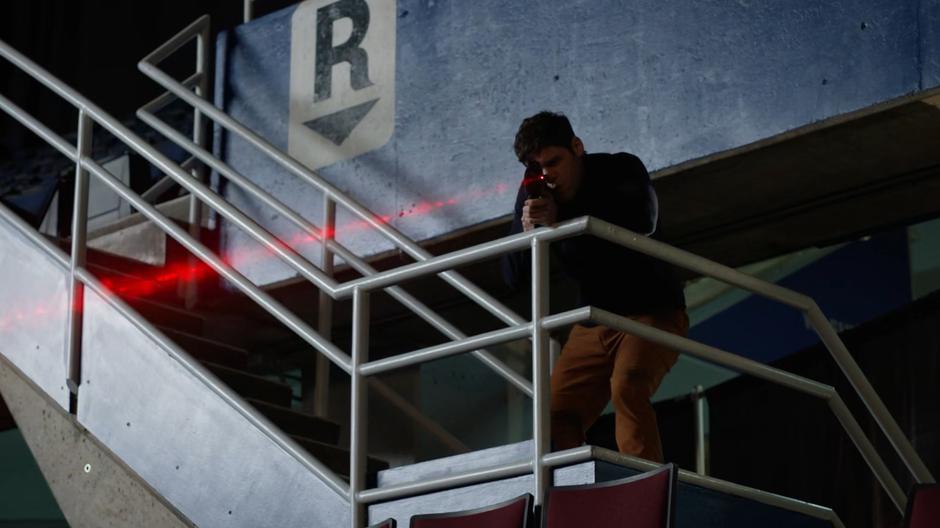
332	118
328	55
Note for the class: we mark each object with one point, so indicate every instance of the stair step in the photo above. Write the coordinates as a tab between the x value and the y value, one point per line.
167	315
117	263
129	277
337	458
442	467
128	285
132	278
208	350
252	387
298	423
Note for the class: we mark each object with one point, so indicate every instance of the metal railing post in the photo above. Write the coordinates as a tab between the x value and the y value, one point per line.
554	348
248	11
541	413
701	447
148	66
321	388
537	241
358	409
338	249
876	407
199	121
79	234
865	448
191	286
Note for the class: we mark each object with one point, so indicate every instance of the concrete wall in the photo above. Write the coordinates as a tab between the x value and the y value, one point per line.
668	81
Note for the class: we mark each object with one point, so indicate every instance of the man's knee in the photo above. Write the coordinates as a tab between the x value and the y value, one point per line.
634	385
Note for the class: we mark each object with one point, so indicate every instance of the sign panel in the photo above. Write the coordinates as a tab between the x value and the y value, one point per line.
342	79
467	72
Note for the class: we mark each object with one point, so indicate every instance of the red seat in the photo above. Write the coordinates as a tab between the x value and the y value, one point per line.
387	523
641	501
510	514
923	507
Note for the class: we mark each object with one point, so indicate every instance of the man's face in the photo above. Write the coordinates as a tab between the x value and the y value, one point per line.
562	169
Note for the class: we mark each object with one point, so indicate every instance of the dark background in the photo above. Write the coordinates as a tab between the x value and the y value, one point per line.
793	445
94	46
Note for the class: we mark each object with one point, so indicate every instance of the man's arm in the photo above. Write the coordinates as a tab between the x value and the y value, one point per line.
516	266
631	201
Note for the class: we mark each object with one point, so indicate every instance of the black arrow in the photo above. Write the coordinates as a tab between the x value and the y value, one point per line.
337	126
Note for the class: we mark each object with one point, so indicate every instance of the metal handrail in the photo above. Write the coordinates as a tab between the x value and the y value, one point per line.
248	10
537	240
585	454
146	114
773	499
260	297
140	203
90	111
79	275
61	259
179	176
821	325
678	257
155	157
469	255
331	246
148	65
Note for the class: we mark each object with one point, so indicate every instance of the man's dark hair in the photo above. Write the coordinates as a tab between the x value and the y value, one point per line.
544	129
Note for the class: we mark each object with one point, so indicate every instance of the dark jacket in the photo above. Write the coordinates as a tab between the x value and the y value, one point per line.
616	188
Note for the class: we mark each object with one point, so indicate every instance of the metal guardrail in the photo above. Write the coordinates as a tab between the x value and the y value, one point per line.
248	10
537	241
332	197
443	265
542	323
147	114
89	113
324	235
698	399
61	259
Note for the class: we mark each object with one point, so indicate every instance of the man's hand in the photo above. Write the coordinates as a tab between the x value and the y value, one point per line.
539	211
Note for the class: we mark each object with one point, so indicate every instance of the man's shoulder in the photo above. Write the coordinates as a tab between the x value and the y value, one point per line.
612	157
618	164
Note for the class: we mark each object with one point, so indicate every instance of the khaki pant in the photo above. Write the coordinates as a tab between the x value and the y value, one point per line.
599	364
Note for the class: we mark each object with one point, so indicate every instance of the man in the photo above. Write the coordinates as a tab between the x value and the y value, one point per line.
599	364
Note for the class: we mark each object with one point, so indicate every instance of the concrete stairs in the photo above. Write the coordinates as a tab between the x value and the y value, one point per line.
219	344
193	449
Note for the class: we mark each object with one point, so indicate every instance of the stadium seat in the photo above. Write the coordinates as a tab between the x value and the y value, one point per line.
387	523
641	501
923	507
513	513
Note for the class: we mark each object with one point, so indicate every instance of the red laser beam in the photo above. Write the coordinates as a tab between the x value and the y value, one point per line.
528	180
172	274
35	315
